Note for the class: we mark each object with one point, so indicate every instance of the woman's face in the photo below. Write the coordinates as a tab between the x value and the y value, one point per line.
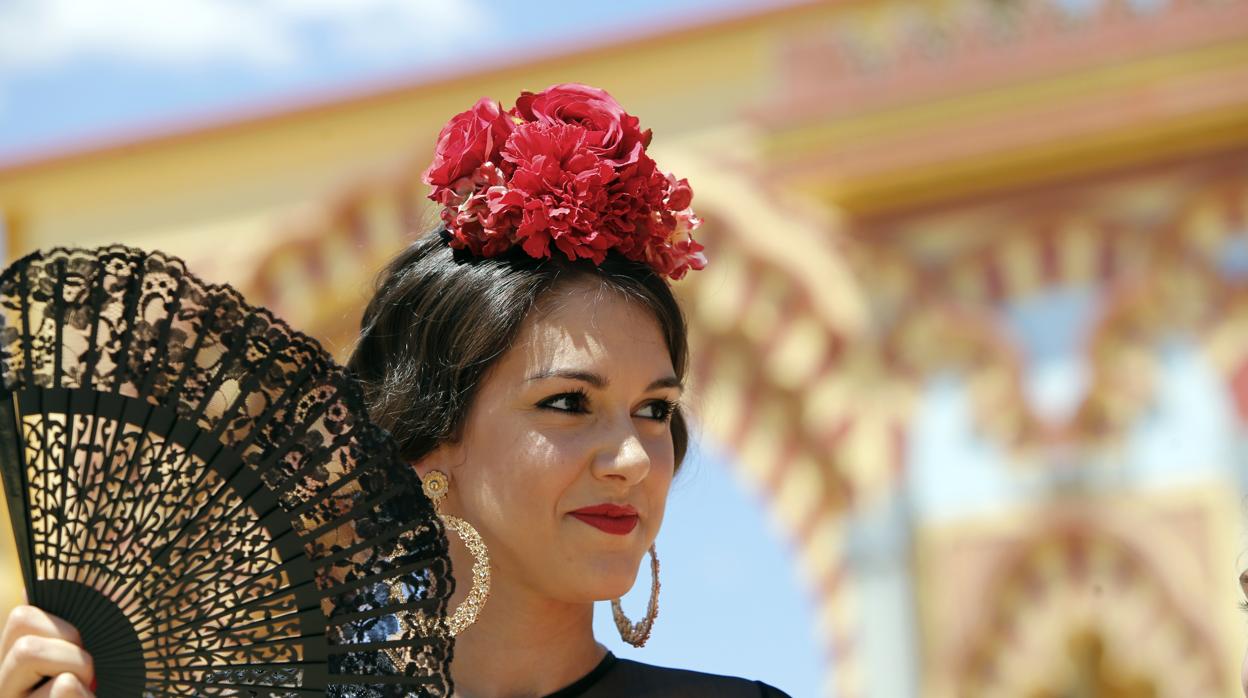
574	415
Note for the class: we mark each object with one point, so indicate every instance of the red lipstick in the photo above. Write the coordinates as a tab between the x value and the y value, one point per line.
615	519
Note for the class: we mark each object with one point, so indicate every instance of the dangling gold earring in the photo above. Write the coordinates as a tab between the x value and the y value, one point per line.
436	485
637	634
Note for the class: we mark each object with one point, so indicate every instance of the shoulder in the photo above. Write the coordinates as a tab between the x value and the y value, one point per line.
648	680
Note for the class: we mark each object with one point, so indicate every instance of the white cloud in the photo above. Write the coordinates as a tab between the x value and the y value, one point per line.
385	28
263	34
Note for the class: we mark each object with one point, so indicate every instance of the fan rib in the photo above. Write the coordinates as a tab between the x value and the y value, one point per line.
292	531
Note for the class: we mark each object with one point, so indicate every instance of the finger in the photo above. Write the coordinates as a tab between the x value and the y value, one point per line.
28	620
33	658
63	686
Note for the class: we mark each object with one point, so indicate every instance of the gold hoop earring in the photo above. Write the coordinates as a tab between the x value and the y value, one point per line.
435	486
636	634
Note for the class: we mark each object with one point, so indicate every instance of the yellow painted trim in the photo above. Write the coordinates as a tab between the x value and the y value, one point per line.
14	240
1098	152
880	123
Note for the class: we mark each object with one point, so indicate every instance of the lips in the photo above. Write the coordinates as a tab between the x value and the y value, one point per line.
610	518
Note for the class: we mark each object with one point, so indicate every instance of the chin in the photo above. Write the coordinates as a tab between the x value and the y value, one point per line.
609	577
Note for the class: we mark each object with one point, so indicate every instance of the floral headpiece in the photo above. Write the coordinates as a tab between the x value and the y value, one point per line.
566	166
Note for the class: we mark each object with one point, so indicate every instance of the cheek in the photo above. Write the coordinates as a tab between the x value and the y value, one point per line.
662	469
521	477
662	454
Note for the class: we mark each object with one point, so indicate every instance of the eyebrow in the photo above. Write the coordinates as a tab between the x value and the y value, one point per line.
600	382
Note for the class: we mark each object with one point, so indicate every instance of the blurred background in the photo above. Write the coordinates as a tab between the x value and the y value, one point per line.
970	365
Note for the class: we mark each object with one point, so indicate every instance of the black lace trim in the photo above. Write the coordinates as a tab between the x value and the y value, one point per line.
212	473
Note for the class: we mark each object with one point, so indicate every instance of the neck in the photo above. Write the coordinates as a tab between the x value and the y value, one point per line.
523	644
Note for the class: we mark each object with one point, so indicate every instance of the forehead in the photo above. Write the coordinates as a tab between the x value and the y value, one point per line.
588	321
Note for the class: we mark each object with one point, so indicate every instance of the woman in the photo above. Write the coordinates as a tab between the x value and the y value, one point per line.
528	356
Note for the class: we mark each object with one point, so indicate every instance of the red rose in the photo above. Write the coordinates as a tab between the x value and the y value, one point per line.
468	214
470	139
611	133
679	258
680	194
672	251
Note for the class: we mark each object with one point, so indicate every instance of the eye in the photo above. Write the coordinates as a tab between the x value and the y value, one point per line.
574	401
660	410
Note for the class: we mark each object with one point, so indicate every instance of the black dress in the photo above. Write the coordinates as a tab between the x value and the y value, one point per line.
624	678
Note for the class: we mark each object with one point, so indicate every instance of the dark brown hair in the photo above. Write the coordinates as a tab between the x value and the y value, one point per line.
439	318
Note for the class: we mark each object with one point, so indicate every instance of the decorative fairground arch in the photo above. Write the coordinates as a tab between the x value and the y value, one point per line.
1079	608
1128	282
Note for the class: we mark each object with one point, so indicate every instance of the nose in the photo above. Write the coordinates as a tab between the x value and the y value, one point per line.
623	457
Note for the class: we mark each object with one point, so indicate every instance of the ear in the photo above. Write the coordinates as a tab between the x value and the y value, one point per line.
446	457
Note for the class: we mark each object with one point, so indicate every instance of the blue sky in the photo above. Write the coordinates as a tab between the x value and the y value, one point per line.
74	72
731	601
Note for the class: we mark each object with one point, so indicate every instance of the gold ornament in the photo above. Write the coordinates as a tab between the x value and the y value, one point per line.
637	634
435	486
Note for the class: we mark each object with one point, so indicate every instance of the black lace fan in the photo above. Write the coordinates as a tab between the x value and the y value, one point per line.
197	488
